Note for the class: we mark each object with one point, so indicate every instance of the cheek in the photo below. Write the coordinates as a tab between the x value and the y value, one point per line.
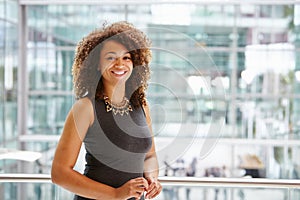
131	66
131	71
102	67
102	64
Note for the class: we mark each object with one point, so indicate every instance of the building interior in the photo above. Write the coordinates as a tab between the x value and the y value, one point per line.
224	90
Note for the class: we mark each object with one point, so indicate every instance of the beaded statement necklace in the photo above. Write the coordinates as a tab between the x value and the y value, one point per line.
121	108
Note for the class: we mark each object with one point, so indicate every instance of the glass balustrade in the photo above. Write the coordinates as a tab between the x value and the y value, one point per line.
39	187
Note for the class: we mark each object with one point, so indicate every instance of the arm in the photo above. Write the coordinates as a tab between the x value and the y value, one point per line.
151	170
80	117
67	151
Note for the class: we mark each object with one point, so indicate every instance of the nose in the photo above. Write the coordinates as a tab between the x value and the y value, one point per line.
119	62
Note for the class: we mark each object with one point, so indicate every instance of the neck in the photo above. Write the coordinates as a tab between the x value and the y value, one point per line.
115	94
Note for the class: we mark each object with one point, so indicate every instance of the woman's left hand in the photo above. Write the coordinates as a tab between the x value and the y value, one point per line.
154	187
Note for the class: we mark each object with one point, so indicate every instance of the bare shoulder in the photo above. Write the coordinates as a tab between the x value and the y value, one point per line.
83	110
83	102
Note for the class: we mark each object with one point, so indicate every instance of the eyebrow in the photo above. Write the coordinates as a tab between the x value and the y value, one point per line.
112	52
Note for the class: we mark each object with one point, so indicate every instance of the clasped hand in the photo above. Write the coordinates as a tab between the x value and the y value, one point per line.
135	188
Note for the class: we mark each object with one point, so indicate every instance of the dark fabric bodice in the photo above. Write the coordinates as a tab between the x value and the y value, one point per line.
116	146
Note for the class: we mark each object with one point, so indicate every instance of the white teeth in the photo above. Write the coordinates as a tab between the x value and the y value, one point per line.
119	72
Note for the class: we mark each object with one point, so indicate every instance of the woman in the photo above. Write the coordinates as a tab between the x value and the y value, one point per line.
111	117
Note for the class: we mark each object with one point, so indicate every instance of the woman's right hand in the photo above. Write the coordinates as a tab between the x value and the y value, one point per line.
133	188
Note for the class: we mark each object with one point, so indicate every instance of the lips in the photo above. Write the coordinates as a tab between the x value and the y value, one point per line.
119	73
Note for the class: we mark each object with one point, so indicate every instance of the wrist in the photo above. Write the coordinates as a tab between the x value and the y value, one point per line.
115	194
150	178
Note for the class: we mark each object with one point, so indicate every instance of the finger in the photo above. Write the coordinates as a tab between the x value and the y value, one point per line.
154	195
139	195
154	192
150	179
140	179
140	189
142	182
150	194
151	186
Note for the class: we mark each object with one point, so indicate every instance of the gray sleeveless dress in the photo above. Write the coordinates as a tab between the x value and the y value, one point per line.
116	146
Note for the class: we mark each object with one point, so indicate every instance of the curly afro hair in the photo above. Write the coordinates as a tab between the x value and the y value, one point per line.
86	77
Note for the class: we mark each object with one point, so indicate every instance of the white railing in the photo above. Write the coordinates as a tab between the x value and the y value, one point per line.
178	181
25	178
231	182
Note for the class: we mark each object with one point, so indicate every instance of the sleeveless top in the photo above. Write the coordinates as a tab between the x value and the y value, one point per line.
116	146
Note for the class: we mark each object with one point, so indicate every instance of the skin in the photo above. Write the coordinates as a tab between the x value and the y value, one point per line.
116	67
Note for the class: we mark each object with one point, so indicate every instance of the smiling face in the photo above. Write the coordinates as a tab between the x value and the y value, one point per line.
115	63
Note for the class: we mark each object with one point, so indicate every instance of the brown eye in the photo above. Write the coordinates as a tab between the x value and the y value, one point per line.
127	58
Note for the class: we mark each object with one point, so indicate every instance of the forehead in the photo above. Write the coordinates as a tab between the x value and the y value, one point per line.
113	47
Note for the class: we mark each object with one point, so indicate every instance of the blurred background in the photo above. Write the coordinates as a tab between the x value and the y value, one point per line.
224	92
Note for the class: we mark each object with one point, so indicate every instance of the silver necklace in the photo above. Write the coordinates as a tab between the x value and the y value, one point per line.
121	108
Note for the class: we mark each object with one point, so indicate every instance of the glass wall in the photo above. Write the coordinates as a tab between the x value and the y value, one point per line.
8	77
251	53
226	72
